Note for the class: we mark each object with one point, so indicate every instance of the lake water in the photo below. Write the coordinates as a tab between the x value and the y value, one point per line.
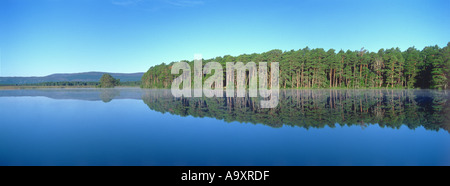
150	127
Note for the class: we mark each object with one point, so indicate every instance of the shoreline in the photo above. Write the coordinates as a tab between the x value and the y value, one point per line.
8	87
13	87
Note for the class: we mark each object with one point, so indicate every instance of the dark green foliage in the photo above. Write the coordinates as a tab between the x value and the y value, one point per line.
446	56
78	84
107	81
158	76
317	68
65	83
413	59
131	83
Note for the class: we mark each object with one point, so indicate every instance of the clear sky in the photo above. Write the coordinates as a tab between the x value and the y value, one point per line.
41	37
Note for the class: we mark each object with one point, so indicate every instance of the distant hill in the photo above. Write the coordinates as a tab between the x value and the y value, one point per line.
84	77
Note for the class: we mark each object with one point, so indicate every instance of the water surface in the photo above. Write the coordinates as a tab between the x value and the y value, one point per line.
150	127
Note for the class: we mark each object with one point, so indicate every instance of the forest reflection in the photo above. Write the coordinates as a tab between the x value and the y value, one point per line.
318	108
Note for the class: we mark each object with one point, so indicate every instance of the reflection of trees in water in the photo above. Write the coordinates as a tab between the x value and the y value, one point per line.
108	94
318	108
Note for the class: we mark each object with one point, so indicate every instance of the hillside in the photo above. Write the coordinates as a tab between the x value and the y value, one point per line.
83	77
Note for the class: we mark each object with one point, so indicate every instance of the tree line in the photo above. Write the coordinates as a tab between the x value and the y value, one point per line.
318	68
106	81
64	83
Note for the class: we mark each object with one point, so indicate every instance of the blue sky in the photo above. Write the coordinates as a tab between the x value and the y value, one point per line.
41	37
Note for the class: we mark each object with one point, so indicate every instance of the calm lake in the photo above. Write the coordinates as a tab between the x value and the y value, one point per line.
130	126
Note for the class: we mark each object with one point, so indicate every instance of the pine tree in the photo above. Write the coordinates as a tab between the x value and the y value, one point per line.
412	60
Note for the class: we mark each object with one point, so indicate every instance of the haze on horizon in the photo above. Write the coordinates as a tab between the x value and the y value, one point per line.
43	37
